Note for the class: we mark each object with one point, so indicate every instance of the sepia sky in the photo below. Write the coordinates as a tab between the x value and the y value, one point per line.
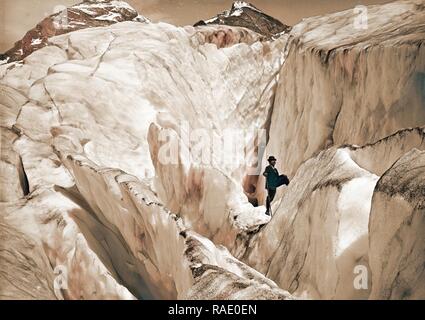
18	16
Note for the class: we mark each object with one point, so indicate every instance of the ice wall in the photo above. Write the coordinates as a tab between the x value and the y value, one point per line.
396	228
347	83
321	228
355	91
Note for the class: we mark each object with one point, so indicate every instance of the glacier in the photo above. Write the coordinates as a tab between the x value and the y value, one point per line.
89	205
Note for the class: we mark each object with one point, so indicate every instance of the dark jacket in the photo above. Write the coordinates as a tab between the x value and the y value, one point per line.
273	179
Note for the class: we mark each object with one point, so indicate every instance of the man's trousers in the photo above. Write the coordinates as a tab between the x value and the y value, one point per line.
270	196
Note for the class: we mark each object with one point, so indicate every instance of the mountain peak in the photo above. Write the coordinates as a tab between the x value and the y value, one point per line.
89	13
245	14
243	4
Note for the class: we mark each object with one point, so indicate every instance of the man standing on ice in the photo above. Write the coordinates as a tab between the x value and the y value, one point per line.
273	181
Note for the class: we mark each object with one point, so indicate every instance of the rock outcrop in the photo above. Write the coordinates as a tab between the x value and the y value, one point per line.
87	14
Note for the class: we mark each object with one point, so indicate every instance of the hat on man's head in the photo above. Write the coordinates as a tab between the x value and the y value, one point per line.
271	158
